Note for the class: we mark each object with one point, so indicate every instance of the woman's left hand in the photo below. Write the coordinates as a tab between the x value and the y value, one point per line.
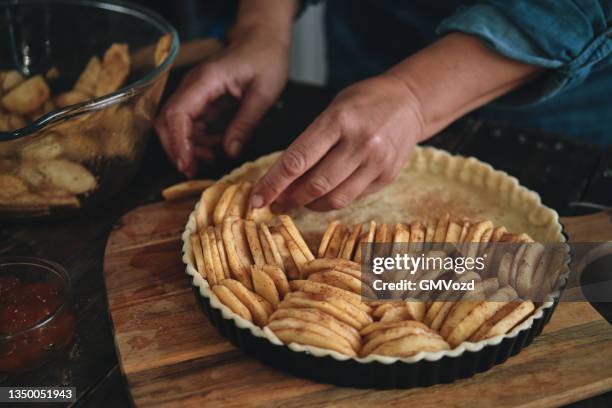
355	147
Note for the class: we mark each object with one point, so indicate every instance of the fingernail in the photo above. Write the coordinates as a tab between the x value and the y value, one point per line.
180	164
234	148
257	201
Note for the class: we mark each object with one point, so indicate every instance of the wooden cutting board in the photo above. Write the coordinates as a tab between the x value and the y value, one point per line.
171	355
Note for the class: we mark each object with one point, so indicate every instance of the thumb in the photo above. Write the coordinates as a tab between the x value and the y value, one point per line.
254	105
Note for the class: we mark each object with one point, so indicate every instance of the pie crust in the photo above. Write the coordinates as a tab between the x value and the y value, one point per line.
464	187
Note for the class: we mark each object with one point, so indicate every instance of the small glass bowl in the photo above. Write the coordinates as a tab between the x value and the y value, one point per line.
36	315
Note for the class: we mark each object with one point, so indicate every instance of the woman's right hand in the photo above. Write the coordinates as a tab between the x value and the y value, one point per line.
252	69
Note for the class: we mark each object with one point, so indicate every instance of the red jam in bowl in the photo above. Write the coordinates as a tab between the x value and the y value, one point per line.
36	318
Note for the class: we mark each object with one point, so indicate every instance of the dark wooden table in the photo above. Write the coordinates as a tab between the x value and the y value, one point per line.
560	170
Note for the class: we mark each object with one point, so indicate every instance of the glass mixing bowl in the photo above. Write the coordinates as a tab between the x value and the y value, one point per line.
78	155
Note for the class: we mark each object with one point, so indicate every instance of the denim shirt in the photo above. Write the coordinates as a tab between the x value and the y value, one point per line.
572	39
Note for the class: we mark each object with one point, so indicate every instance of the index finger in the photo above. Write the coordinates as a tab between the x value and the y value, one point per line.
178	114
299	157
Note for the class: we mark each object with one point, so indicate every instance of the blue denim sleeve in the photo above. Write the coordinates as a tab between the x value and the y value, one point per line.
567	37
305	3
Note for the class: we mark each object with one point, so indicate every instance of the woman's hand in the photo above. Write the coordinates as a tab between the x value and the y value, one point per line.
252	69
354	148
360	143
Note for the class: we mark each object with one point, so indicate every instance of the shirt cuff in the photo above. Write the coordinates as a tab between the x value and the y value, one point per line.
511	34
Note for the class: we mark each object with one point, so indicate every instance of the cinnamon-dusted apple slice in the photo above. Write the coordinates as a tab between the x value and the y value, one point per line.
115	69
410	345
227	297
240	241
224	203
474	237
467	302
217	266
343	242
527	267
453	235
506	249
263	214
430	231
259	307
465	228
544	268
382	308
411	310
417	235
313	338
484	242
392	334
252	236
366	280
196	250
377	328
453	232
498	233
278	277
354	312
222	254
383	235
9	80
366	238
321	264
208	203
299	325
207	257
317	316
458	312
442	228
268	244
264	286
328	290
513	247
441	307
504	320
518	257
337	279
298	300
290	267
477	229
293	231
551	281
333	249
26	97
237	267
327	235
349	246
86	83
476	318
240	201
401	234
401	239
299	259
505	266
